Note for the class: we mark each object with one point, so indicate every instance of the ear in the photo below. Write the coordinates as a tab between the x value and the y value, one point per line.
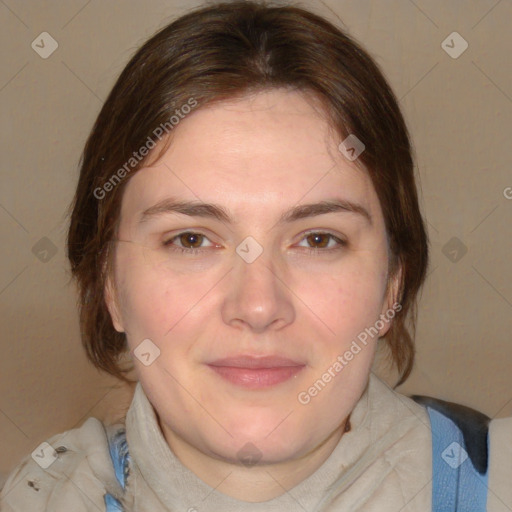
110	296
391	305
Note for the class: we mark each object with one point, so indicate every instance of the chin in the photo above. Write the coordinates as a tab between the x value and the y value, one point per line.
257	452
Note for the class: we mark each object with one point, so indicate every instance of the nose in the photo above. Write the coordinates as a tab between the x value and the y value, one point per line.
258	297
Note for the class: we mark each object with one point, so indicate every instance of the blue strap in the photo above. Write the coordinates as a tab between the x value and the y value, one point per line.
111	504
457	486
118	448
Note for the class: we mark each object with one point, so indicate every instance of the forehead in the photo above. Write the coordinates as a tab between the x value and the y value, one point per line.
258	153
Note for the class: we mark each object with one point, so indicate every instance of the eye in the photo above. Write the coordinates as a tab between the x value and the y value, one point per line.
188	241
193	242
322	240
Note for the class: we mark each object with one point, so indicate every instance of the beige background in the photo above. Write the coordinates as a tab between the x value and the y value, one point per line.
459	114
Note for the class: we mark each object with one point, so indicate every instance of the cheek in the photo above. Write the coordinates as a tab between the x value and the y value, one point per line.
154	304
348	301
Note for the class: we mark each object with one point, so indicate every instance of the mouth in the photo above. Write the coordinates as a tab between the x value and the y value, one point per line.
256	372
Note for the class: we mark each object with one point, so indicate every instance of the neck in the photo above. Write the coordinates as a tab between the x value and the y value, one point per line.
256	483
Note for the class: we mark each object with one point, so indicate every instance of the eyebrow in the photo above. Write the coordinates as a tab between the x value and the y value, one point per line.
210	210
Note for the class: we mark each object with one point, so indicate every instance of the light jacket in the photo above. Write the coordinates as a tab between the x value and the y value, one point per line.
383	464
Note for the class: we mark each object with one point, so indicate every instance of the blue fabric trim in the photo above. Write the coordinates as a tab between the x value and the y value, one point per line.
111	504
457	486
118	447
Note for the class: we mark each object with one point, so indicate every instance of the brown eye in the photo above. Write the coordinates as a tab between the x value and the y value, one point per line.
191	240
318	240
191	243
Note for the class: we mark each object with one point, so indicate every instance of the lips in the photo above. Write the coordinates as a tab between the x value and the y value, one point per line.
256	362
256	372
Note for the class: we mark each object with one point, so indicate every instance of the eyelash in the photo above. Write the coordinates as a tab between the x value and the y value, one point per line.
314	250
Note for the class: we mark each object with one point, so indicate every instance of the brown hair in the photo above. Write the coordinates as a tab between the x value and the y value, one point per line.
220	52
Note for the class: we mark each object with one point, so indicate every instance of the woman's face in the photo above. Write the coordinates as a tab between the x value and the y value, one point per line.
268	276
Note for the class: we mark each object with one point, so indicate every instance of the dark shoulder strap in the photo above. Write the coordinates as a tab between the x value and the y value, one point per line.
460	456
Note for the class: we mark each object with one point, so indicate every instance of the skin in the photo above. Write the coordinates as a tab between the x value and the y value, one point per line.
305	298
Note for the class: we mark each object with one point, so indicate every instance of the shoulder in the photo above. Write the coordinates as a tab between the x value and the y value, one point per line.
488	443
69	471
472	425
500	464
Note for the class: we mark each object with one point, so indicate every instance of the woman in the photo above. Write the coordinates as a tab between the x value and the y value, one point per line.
246	227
